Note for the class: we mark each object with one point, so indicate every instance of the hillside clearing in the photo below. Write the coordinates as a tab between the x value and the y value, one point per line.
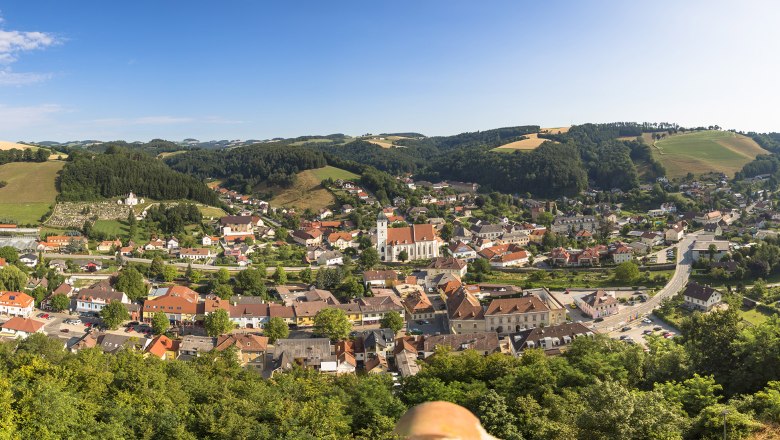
330	172
705	151
308	192
381	143
532	142
30	190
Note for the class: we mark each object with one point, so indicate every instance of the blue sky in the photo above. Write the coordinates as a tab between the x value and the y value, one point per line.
245	69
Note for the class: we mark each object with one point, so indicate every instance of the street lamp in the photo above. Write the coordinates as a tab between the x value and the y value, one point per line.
725	411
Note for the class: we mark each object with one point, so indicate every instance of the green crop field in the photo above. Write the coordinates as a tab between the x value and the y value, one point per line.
333	173
29	191
705	151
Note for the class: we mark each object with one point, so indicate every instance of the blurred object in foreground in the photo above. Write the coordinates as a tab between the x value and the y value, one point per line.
440	421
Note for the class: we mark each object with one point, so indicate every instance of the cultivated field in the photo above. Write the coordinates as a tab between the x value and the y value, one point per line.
705	151
531	143
29	191
308	191
6	145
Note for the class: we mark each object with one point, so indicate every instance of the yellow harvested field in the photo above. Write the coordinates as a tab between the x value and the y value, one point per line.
531	143
383	144
6	145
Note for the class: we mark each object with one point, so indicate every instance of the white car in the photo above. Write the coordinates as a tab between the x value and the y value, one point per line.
73	321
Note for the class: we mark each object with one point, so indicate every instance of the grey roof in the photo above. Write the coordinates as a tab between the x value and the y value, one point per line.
697	291
560	331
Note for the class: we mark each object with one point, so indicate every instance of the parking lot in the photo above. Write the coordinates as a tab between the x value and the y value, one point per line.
638	328
431	326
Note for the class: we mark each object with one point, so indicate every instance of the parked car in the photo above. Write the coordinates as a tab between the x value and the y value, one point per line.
625	329
65	330
647	321
647	331
598	319
658	328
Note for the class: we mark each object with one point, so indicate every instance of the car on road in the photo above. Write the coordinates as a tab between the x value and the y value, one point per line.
625	329
416	331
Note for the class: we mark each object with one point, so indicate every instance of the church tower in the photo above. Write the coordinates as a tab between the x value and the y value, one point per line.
381	235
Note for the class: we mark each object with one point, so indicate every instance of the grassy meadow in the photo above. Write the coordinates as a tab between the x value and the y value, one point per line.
705	151
30	190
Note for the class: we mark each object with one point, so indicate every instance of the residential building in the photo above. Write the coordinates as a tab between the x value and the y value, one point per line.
97	296
699	297
308	353
249	315
380	278
464	313
374	308
598	304
16	304
552	339
709	217
195	253
21	328
162	347
192	346
250	349
675	233
307	237
701	249
510	315
622	254
572	224
447	265
483	343
179	303
418	306
462	251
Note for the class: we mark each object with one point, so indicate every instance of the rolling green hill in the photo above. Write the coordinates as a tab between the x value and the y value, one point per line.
704	151
30	190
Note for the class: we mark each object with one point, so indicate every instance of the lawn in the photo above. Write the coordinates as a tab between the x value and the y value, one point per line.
705	151
112	228
333	173
29	191
753	316
211	211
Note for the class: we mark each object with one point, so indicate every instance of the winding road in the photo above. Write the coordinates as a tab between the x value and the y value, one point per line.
675	284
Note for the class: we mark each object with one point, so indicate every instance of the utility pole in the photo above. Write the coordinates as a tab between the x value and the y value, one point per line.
725	411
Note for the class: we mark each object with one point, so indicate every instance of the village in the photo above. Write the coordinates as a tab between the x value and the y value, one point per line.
365	287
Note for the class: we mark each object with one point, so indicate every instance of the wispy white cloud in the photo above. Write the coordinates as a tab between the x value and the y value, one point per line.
13	118
10	78
164	120
12	44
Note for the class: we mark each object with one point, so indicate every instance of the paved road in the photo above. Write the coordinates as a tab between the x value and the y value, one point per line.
675	284
197	266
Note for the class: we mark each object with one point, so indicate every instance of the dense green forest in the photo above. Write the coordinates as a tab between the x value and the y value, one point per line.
153	147
599	389
91	176
245	167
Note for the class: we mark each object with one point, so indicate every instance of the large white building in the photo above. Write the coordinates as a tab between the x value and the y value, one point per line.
419	241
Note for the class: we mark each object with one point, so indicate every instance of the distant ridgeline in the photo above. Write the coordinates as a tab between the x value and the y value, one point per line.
560	167
92	176
243	168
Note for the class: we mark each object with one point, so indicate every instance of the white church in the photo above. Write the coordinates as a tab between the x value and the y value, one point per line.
419	241
130	200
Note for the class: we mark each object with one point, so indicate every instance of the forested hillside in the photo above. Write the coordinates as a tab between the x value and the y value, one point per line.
245	167
600	389
92	176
